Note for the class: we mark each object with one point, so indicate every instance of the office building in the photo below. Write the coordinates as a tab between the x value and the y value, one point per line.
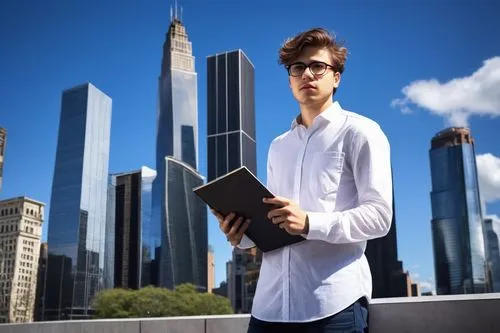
129	246
76	232
231	143
184	248
21	222
493	253
457	223
211	269
177	150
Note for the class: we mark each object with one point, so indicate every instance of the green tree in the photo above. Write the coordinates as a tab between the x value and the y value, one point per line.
184	300
114	303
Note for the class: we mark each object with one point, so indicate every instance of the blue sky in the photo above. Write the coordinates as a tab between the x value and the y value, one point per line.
49	46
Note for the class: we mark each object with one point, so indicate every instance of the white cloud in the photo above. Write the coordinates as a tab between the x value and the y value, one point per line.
426	286
459	98
488	169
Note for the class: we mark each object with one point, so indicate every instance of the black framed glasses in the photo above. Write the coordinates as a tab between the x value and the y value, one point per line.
316	67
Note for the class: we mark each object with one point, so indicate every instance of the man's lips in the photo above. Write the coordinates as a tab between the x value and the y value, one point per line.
307	86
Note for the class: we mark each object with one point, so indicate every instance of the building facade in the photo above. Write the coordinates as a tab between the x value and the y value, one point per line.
40	285
231	140
3	143
493	253
129	245
184	248
231	143
388	276
211	269
457	224
76	232
176	149
21	222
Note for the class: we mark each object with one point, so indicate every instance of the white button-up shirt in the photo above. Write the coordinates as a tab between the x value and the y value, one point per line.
337	170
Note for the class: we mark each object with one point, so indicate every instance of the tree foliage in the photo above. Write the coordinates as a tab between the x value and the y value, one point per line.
184	300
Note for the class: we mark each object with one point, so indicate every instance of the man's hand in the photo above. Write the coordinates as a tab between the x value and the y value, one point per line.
233	232
288	215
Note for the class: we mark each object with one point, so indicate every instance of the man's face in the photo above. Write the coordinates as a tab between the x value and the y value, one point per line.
314	89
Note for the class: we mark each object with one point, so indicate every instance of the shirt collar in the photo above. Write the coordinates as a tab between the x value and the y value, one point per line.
329	114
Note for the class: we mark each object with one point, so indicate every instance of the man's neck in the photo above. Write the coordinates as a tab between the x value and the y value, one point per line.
309	112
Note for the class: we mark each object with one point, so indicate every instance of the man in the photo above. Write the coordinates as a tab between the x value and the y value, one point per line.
331	174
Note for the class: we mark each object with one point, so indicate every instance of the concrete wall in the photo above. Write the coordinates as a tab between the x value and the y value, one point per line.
428	314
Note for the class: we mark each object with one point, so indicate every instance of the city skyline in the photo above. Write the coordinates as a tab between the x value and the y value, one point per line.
127	70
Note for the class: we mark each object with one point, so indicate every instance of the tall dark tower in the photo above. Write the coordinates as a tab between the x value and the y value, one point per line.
231	144
457	223
388	276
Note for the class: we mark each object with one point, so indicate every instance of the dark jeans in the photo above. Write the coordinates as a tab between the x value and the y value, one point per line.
353	319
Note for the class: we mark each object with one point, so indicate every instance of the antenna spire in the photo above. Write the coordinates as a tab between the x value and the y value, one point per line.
171	14
176	17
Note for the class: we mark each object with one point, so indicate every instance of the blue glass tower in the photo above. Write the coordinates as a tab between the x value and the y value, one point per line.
457	224
177	146
493	246
78	204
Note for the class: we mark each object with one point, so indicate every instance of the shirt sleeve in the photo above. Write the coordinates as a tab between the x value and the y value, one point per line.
371	168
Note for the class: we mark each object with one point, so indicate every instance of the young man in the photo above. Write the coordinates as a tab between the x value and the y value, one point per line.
332	177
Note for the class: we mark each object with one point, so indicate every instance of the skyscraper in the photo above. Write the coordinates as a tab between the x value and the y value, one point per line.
129	246
457	225
230	113
231	144
21	222
176	139
184	252
3	142
493	257
388	277
78	204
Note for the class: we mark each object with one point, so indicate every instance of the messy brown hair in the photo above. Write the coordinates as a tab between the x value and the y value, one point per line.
317	37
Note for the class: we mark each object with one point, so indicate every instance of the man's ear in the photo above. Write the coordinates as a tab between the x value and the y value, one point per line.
289	82
337	77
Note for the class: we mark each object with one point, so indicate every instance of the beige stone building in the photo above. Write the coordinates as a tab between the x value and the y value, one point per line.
211	270
21	221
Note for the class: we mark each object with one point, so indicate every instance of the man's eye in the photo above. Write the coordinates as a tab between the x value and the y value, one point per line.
317	66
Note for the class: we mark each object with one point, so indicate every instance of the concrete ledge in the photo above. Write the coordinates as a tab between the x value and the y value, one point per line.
429	314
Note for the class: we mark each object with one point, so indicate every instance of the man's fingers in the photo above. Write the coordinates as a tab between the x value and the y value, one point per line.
280	201
242	229
277	212
224	225
234	228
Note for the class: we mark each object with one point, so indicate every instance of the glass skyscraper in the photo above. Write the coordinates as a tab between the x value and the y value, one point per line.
129	245
493	253
177	149
457	224
78	204
231	144
184	256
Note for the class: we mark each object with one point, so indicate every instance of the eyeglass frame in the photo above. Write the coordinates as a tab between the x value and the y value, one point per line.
308	66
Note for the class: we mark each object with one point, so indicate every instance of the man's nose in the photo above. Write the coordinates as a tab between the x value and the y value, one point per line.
307	74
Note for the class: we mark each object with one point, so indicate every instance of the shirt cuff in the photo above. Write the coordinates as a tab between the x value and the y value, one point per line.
246	243
319	225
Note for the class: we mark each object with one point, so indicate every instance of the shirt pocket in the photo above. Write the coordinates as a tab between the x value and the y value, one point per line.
326	171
